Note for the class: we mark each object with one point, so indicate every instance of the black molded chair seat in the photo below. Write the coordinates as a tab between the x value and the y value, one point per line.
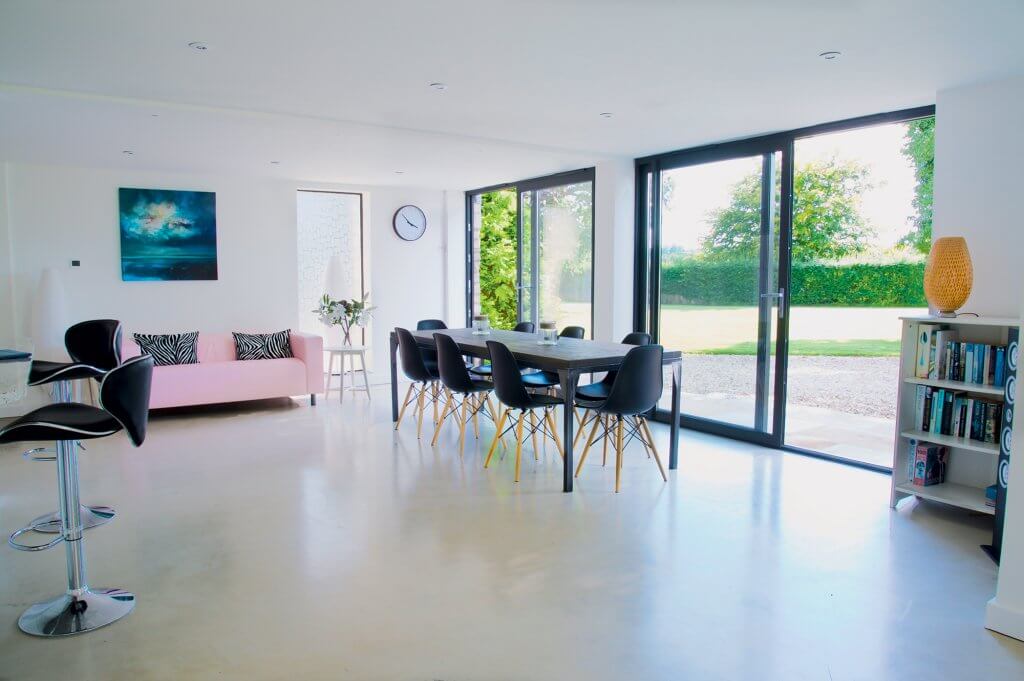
595	391
541	379
481	369
61	421
42	372
538	401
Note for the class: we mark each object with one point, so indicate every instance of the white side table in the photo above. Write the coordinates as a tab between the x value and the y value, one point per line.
350	352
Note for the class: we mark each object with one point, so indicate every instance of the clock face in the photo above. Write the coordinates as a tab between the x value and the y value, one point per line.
410	222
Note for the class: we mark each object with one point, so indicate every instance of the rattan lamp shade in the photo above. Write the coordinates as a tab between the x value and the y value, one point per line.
949	275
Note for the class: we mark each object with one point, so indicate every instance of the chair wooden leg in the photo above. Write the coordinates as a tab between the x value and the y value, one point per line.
476	416
582	428
519	442
654	450
497	436
444	415
419	408
462	422
549	416
618	453
533	435
607	436
590	441
433	394
494	414
405	403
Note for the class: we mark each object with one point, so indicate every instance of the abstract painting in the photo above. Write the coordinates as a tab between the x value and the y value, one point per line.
168	235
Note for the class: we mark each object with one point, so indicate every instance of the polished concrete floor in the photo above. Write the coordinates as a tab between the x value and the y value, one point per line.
279	541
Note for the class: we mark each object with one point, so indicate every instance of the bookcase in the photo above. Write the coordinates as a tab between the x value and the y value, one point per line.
973	465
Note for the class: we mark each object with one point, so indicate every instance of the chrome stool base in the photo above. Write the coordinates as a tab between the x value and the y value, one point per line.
74	613
92	516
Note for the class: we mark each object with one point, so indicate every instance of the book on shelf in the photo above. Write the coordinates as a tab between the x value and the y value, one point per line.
930	463
990	495
955	413
941	355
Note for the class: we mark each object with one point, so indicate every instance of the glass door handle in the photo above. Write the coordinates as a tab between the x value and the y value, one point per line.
781	297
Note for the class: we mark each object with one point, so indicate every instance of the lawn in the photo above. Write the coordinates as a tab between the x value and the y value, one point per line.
858	347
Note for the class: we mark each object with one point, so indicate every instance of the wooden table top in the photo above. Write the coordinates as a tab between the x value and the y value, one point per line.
569	353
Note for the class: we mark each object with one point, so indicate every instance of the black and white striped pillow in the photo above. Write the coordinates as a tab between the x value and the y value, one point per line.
263	345
169	348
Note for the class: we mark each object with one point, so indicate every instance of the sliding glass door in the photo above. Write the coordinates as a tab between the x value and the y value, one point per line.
530	251
715	232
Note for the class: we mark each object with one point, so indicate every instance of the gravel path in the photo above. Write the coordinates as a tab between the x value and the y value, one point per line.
853	385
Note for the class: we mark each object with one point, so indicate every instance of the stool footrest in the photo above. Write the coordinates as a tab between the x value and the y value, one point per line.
15	544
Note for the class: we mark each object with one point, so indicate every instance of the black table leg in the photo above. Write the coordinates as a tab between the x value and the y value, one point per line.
394	376
569	378
673	437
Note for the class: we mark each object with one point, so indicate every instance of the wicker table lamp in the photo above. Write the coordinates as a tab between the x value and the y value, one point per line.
948	275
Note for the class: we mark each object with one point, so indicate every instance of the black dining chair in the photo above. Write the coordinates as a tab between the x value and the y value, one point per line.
635	391
425	380
95	348
124	405
465	396
512	393
484	369
545	380
429	355
600	389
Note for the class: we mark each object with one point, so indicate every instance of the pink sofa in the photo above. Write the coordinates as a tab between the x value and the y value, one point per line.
221	377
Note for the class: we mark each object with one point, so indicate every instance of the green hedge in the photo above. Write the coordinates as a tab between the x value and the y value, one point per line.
894	284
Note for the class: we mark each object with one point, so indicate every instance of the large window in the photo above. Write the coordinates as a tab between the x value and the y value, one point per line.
531	251
330	254
779	266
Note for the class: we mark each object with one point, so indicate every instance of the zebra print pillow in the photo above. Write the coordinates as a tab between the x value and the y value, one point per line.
263	345
170	348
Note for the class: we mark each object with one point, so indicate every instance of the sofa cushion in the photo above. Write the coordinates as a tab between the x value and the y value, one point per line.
214	382
169	348
263	345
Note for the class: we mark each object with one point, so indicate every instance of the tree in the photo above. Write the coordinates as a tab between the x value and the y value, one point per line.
919	148
498	257
827	223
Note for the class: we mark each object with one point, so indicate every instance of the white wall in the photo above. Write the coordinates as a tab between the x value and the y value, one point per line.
614	188
978	180
58	213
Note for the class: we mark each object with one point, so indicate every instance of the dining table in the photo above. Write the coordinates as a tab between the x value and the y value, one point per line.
568	357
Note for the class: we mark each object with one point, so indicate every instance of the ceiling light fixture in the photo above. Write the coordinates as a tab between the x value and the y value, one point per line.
399	172
275	163
198	45
606	114
830	55
128	152
440	87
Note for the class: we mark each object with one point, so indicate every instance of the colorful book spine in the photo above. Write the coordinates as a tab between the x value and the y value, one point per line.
924	349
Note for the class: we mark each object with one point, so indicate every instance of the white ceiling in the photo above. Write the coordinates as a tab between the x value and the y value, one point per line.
338	91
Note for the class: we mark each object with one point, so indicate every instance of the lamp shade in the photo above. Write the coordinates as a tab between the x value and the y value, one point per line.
948	275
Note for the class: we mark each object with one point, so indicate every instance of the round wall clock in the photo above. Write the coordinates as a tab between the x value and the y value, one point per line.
409	222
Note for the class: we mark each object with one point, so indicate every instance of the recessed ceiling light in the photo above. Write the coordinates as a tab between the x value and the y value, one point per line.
440	87
275	163
198	45
830	55
399	172
606	114
155	115
128	152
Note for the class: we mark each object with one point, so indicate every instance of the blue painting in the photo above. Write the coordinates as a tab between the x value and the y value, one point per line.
168	235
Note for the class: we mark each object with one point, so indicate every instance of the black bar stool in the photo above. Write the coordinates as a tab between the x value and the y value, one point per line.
635	391
462	391
424	379
484	368
124	405
511	392
95	348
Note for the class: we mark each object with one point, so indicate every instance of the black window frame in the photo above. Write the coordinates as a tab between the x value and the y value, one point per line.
647	227
530	185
